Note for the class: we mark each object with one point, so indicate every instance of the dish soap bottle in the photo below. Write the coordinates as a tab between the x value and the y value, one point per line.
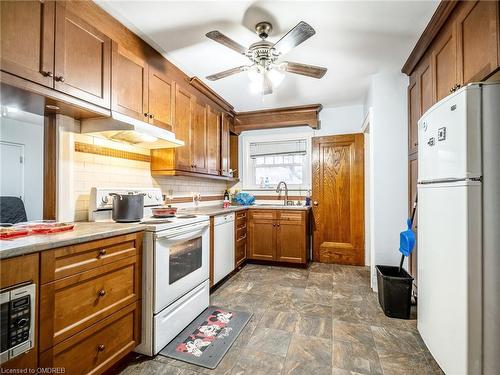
226	202
308	198
266	183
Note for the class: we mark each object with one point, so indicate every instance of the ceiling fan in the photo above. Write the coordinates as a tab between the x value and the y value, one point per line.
266	71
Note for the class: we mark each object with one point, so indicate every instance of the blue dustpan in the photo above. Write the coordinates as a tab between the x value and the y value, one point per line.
407	239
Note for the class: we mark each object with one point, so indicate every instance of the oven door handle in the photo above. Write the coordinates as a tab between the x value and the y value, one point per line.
175	234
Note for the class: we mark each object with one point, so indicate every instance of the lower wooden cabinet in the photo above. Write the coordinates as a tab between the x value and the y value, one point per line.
97	348
278	235
241	237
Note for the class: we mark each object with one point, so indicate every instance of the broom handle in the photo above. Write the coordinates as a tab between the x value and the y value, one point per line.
401	262
414	209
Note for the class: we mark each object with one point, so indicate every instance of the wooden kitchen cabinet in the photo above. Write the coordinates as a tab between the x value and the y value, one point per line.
225	147
161	99
213	140
478	40
444	63
240	237
412	192
82	59
130	84
199	137
278	235
27	42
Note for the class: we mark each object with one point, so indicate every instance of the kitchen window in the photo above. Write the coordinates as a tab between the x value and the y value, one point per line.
270	162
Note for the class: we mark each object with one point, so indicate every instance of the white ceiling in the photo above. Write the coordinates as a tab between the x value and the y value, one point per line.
354	39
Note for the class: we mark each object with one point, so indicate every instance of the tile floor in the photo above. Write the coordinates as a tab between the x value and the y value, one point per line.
323	320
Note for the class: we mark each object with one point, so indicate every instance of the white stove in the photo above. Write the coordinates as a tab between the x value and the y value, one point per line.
175	267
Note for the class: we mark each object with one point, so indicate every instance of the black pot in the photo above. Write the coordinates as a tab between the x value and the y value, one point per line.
127	208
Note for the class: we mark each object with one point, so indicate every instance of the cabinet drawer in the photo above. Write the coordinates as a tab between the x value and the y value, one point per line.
241	234
290	215
241	252
241	214
97	348
262	214
76	302
70	260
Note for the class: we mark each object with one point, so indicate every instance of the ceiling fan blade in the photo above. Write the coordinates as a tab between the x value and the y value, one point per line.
294	37
226	41
267	85
304	69
226	73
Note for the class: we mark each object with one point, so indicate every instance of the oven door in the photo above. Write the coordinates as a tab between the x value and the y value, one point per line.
181	262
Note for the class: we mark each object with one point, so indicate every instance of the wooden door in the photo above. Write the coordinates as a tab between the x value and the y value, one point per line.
161	99
27	42
444	60
213	141
291	237
130	84
262	235
338	199
413	112
82	59
199	137
412	192
182	128
225	146
477	36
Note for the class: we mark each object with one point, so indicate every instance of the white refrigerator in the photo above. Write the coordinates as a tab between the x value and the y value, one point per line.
459	230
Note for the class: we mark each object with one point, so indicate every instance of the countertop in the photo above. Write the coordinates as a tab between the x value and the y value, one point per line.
219	210
83	232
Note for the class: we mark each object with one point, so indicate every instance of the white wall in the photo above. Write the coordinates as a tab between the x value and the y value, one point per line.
27	129
389	139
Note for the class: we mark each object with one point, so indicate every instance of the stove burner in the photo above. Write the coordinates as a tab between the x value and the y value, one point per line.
186	217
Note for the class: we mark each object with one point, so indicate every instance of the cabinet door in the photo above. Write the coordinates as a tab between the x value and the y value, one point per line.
291	241
213	141
425	81
199	137
225	146
130	84
262	235
477	35
82	59
444	59
161	99
27	42
182	128
413	112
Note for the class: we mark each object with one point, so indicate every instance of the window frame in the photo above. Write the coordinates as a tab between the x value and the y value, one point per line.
248	165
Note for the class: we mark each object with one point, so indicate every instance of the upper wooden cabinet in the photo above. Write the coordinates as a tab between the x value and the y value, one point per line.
130	84
161	99
199	137
214	119
82	59
182	128
70	56
478	38
27	42
444	63
225	145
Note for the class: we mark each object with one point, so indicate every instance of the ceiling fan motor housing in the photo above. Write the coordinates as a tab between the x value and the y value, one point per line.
263	29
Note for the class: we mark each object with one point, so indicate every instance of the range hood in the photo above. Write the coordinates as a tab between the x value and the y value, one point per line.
125	129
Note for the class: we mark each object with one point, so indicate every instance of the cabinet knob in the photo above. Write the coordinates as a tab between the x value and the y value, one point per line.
315	203
146	114
47	74
102	252
60	79
101	348
151	116
278	225
101	293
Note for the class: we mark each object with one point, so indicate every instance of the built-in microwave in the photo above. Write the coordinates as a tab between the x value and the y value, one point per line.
17	320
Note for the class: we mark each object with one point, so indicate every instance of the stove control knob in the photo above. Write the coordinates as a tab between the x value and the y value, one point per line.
150	195
158	198
104	199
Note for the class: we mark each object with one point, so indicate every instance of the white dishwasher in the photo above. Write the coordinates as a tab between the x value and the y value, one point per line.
223	246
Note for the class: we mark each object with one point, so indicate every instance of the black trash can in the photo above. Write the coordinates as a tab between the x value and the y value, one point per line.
394	291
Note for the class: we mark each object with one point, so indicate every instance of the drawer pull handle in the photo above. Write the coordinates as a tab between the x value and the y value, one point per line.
101	348
102	252
102	293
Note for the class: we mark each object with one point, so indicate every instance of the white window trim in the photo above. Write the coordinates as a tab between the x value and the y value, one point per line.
248	175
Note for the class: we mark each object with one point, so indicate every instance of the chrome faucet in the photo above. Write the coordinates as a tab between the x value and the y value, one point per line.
279	189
